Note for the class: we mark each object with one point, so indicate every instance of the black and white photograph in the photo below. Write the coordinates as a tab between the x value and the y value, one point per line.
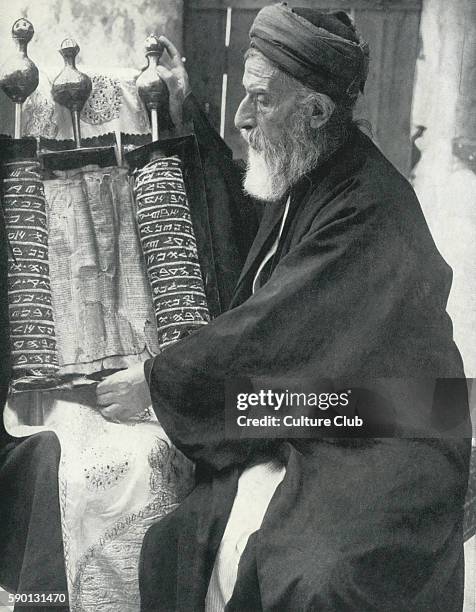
238	305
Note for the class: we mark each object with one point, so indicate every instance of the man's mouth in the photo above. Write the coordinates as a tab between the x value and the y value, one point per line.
253	140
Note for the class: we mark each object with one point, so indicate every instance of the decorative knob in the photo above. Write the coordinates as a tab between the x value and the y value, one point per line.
19	75
71	88
153	46
150	87
23	29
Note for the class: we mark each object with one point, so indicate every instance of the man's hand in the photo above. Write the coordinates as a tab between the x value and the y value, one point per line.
173	73
124	396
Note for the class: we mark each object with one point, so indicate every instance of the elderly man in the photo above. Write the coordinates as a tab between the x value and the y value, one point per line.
343	280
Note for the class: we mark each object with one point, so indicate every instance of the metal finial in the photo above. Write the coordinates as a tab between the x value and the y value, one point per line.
150	87
19	75
153	46
69	48
23	29
71	88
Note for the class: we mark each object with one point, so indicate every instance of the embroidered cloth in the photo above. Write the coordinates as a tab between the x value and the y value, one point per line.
112	106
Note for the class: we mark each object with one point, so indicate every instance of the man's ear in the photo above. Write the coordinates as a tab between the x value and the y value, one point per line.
321	110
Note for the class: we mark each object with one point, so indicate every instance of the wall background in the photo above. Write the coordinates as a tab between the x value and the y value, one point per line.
390	27
444	101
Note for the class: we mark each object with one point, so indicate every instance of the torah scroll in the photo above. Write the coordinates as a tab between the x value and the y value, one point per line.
170	250
33	343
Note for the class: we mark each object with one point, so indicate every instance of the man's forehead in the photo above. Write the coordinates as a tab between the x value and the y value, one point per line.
258	72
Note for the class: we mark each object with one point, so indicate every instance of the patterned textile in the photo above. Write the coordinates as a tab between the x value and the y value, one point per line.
101	298
32	329
112	105
104	103
170	250
115	481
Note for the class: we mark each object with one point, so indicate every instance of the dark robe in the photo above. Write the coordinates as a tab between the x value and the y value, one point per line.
356	290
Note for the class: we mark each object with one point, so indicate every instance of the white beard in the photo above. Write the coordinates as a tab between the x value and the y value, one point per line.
260	181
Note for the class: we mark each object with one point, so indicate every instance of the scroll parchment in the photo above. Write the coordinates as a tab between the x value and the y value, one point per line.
101	298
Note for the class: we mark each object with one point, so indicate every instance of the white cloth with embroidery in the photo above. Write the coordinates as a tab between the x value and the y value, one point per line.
115	481
112	106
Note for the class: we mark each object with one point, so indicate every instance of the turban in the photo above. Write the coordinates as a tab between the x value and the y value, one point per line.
321	50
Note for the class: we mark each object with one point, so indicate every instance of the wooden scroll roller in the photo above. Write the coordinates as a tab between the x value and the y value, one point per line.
164	220
34	357
154	94
19	75
71	89
150	87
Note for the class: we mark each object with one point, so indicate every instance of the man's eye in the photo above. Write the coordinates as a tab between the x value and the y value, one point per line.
262	99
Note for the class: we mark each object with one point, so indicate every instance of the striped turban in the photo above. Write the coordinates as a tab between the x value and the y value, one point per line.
321	50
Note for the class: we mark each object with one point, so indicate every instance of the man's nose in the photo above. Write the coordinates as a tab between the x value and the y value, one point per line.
245	116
